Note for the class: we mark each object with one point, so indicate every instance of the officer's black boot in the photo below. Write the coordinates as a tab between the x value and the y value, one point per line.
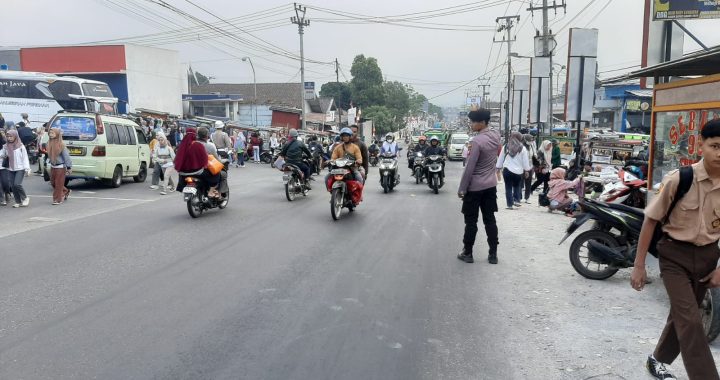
492	255
466	255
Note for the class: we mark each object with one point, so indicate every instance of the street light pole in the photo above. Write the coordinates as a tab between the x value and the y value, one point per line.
255	89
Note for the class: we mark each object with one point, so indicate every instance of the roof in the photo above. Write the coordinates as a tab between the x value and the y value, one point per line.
640	93
270	94
705	62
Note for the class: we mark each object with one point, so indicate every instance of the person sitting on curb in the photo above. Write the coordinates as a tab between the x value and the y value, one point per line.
559	199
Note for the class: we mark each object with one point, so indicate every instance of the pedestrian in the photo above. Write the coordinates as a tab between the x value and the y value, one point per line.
478	186
255	144
60	165
513	164
18	166
542	171
240	150
558	196
688	254
162	154
274	143
5	181
529	143
555	158
25	121
465	151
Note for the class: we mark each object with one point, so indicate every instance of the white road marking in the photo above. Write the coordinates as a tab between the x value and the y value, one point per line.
101	198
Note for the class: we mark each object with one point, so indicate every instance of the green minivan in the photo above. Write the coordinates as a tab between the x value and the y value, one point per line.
103	147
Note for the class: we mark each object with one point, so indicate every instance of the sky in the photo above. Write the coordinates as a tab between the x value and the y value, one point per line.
442	64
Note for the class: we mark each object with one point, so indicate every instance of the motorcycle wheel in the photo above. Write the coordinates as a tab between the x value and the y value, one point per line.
290	190
336	203
435	185
418	176
711	314
195	210
225	201
581	261
385	185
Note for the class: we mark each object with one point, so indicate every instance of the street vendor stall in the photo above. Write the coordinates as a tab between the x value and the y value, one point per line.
680	109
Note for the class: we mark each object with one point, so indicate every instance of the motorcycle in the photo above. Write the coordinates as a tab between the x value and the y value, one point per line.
33	152
373	159
627	191
418	167
195	194
345	190
434	172
294	180
389	176
224	154
316	163
611	245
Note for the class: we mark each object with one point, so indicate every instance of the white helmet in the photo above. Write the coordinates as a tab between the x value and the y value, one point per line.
390	136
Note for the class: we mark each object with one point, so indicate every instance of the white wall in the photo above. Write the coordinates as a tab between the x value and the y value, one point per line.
156	79
246	115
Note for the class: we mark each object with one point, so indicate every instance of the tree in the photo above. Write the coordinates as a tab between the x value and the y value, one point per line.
339	91
382	118
367	82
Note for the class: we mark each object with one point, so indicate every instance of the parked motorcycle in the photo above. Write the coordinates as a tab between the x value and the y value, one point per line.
389	175
195	194
418	166
434	172
611	245
266	157
630	190
294	180
345	190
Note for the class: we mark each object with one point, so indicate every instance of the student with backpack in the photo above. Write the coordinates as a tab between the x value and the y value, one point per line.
685	208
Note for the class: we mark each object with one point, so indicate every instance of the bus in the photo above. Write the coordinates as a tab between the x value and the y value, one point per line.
42	95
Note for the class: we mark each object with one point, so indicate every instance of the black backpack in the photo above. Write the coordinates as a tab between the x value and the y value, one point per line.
686	179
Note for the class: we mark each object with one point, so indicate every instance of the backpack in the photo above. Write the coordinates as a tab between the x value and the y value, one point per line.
686	179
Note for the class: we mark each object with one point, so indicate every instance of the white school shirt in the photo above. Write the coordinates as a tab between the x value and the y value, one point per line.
518	164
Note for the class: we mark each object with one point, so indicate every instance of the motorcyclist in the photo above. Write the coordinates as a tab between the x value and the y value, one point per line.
419	147
203	134
390	145
221	139
315	146
347	148
436	149
373	148
293	152
363	149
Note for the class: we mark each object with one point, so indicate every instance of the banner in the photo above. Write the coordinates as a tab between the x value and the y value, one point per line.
309	90
520	100
685	9
581	74
539	89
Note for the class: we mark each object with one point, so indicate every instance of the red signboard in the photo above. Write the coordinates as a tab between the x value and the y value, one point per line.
74	59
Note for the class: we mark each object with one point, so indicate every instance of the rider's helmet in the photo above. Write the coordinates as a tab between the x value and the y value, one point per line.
337	138
434	139
389	137
422	138
346	131
293	132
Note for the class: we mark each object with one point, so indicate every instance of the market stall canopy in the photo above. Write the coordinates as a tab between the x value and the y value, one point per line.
706	62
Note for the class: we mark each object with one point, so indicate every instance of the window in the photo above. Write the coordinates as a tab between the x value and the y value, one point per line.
112	134
76	128
61	90
97	89
123	134
460	140
140	137
131	135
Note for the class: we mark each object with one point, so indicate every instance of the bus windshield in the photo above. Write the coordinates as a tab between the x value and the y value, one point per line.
97	89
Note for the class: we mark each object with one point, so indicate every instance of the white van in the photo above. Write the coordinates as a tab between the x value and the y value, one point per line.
456	144
103	147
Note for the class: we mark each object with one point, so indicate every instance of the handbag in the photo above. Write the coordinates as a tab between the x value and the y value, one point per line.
214	166
543	200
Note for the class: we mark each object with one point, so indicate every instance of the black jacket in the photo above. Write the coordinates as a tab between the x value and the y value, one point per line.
364	153
293	151
434	150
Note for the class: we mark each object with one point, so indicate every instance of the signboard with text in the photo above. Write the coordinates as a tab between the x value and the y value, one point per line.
685	9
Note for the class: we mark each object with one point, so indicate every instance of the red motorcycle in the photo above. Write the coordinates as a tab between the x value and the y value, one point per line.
630	190
345	190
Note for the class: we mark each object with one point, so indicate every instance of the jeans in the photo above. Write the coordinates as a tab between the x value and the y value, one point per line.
256	153
5	182
307	172
171	175
241	158
527	182
512	187
17	189
475	202
157	174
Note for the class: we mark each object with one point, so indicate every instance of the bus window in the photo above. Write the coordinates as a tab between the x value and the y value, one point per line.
61	91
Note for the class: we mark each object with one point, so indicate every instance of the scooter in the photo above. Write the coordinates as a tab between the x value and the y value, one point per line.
418	166
627	191
611	245
389	176
345	190
373	159
434	172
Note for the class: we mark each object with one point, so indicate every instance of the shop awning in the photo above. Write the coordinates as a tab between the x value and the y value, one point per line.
640	93
706	62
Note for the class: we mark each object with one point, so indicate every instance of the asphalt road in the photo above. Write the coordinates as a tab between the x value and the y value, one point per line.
123	284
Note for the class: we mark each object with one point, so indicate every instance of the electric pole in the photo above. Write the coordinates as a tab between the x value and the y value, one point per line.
508	23
484	94
337	71
301	23
547	51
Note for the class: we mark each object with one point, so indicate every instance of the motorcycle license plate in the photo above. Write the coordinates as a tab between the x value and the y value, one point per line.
286	178
189	190
338	171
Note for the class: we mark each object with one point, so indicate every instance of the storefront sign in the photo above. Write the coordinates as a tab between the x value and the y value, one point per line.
685	9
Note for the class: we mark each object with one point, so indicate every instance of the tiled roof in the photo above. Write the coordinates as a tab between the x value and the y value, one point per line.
278	94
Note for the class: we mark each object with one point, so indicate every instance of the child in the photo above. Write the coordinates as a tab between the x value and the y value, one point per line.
559	200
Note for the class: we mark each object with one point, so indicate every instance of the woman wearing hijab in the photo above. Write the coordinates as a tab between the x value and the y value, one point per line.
162	154
192	157
529	143
5	182
559	199
18	166
513	163
542	172
60	165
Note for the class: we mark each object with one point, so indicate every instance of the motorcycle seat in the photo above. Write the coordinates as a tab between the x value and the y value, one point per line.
628	209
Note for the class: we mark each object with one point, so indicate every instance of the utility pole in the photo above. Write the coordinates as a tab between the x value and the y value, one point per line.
547	51
508	23
301	23
483	94
337	71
